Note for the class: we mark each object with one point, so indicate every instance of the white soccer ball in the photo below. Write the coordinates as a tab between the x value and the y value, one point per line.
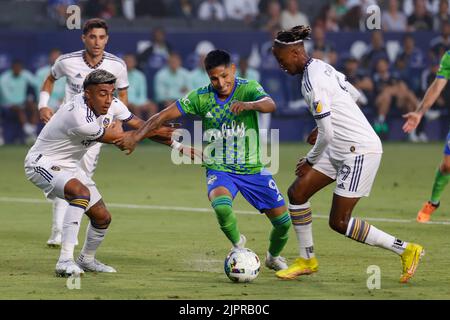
242	265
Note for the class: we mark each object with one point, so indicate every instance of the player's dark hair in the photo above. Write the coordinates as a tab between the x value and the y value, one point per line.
293	35
99	76
217	58
95	23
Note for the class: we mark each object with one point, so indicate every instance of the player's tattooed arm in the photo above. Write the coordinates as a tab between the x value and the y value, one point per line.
264	105
152	127
431	95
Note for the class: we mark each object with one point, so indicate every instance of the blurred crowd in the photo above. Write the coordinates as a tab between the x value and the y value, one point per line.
391	82
334	15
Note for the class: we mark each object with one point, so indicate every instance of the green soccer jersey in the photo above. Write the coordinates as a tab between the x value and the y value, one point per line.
444	68
233	140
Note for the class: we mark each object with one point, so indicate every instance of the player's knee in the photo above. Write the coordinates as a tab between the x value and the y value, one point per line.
338	224
296	195
445	167
78	190
102	221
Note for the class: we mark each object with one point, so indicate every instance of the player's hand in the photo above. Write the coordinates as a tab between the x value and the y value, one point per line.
45	114
164	132
127	142
116	127
302	167
238	106
412	121
312	137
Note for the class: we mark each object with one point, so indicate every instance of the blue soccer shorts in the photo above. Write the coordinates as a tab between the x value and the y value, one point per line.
260	190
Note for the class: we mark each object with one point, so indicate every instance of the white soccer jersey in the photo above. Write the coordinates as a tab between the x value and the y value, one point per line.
75	68
342	126
74	129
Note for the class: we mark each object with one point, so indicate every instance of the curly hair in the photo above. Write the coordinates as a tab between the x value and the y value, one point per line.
294	35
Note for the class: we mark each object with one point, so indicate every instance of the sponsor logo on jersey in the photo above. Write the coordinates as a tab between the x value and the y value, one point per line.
55	168
186	101
106	122
212	178
318	107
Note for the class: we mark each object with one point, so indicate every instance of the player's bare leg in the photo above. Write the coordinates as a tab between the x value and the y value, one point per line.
299	193
78	197
222	201
341	221
281	221
100	219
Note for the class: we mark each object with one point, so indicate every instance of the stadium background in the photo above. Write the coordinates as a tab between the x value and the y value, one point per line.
28	35
192	265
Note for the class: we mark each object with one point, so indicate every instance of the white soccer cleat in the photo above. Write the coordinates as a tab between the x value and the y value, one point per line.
66	268
275	263
241	243
54	243
94	265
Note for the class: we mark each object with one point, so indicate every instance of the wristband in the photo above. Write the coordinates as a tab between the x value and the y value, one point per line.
44	97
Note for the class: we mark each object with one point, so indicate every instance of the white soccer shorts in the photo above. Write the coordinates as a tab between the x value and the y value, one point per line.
51	178
354	174
88	163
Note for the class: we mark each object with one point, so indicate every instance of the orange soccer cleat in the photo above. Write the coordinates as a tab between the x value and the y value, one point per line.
424	214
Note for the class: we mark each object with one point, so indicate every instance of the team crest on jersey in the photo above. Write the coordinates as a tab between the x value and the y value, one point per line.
211	179
106	122
55	168
318	107
186	101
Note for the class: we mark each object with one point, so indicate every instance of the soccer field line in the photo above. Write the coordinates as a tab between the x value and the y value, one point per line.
188	209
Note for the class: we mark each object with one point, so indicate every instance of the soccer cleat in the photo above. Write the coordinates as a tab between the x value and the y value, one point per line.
241	243
94	265
55	240
410	260
53	243
424	214
275	263
66	268
300	267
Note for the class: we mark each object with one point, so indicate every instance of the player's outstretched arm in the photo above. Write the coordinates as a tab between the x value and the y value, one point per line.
149	129
433	92
45	113
264	105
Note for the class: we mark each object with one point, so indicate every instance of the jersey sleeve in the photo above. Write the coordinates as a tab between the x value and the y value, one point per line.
120	111
57	70
89	131
190	103
255	91
122	79
317	96
444	67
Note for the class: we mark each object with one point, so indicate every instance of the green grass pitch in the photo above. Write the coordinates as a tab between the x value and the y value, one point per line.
163	252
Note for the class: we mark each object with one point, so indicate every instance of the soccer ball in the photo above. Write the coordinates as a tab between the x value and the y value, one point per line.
242	265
